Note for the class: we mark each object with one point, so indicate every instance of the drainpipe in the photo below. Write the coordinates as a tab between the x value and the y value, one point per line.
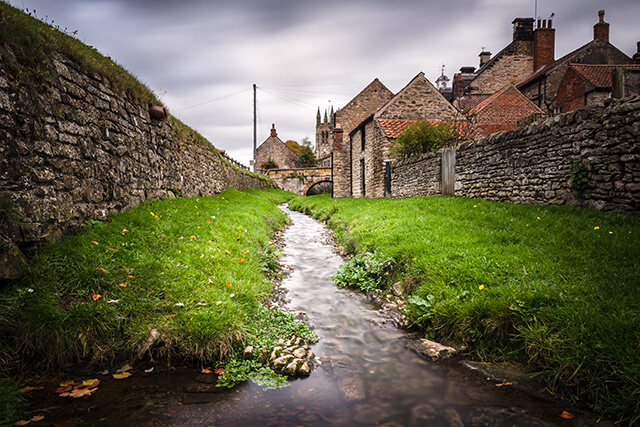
332	174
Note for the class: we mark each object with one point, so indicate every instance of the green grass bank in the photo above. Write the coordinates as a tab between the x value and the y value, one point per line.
554	287
172	280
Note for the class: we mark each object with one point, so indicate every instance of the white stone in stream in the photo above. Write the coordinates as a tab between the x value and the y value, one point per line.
300	353
282	361
276	352
304	369
292	368
436	350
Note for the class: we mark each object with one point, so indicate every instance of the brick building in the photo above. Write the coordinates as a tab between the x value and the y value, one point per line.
273	151
372	139
542	85
502	110
586	84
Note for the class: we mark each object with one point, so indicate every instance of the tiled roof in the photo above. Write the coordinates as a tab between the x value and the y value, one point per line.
488	100
467	102
600	75
392	128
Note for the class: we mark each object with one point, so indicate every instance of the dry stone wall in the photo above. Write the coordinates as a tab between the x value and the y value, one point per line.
79	147
533	165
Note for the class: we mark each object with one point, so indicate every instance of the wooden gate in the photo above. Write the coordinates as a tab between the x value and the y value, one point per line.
448	171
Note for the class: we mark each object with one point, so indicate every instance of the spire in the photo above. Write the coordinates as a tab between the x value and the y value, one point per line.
332	115
326	119
318	117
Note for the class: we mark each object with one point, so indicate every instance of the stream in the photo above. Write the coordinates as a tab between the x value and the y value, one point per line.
365	373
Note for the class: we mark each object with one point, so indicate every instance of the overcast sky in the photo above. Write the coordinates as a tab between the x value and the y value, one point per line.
203	56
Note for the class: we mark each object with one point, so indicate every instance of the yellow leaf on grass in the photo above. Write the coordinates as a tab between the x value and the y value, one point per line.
94	242
123	285
122	375
96	297
90	382
101	270
240	260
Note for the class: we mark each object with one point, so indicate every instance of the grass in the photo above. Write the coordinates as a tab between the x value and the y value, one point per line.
34	43
555	287
173	279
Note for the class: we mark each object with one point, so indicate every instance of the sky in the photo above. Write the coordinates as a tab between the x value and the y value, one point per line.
202	57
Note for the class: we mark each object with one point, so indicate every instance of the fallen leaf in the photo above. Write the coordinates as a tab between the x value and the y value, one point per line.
241	260
130	277
206	371
113	301
94	242
96	297
148	370
105	372
28	389
219	371
67	394
246	252
123	285
505	383
124	230
22	422
101	270
37	418
122	375
566	415
66	383
65	389
125	368
237	238
92	382
82	392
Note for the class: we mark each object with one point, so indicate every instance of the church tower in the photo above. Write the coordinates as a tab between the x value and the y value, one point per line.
324	137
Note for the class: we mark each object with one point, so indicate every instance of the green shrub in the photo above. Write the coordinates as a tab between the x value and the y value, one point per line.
422	137
366	271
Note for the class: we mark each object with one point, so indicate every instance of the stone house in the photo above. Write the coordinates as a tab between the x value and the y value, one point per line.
586	84
502	111
339	126
511	65
541	86
274	151
372	139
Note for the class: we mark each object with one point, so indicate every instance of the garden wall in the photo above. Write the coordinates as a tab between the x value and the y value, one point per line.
537	164
78	147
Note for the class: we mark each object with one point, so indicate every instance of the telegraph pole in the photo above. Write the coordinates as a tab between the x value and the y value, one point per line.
255	124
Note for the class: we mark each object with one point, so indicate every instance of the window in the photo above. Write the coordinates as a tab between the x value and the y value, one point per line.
362	177
362	138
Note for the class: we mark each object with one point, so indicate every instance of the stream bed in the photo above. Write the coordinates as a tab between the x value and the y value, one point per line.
365	373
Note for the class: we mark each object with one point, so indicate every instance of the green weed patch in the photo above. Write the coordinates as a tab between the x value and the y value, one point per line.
555	287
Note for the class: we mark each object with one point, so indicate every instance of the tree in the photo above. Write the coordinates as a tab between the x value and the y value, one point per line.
424	136
304	152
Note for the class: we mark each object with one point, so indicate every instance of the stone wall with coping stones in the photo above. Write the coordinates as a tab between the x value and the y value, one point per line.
90	150
532	165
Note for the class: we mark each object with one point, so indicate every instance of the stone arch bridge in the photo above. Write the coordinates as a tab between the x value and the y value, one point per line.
301	180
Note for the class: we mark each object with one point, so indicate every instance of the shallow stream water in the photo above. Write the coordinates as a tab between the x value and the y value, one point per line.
366	374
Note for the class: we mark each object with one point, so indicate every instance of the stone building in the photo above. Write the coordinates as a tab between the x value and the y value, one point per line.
274	154
365	103
372	139
541	86
502	111
586	84
510	66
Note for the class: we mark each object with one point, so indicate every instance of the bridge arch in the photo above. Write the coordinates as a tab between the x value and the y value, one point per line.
313	184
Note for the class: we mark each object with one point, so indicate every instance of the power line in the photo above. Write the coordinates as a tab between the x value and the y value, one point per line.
212	100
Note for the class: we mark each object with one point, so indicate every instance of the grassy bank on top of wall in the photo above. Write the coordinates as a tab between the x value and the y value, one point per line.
556	287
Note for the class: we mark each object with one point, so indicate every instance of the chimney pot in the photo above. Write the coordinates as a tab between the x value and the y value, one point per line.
601	29
543	45
636	57
273	130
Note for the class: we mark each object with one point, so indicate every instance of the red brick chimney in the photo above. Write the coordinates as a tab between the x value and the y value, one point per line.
273	130
601	29
636	57
544	40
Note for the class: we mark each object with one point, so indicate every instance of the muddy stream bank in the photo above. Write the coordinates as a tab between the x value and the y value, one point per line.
365	374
